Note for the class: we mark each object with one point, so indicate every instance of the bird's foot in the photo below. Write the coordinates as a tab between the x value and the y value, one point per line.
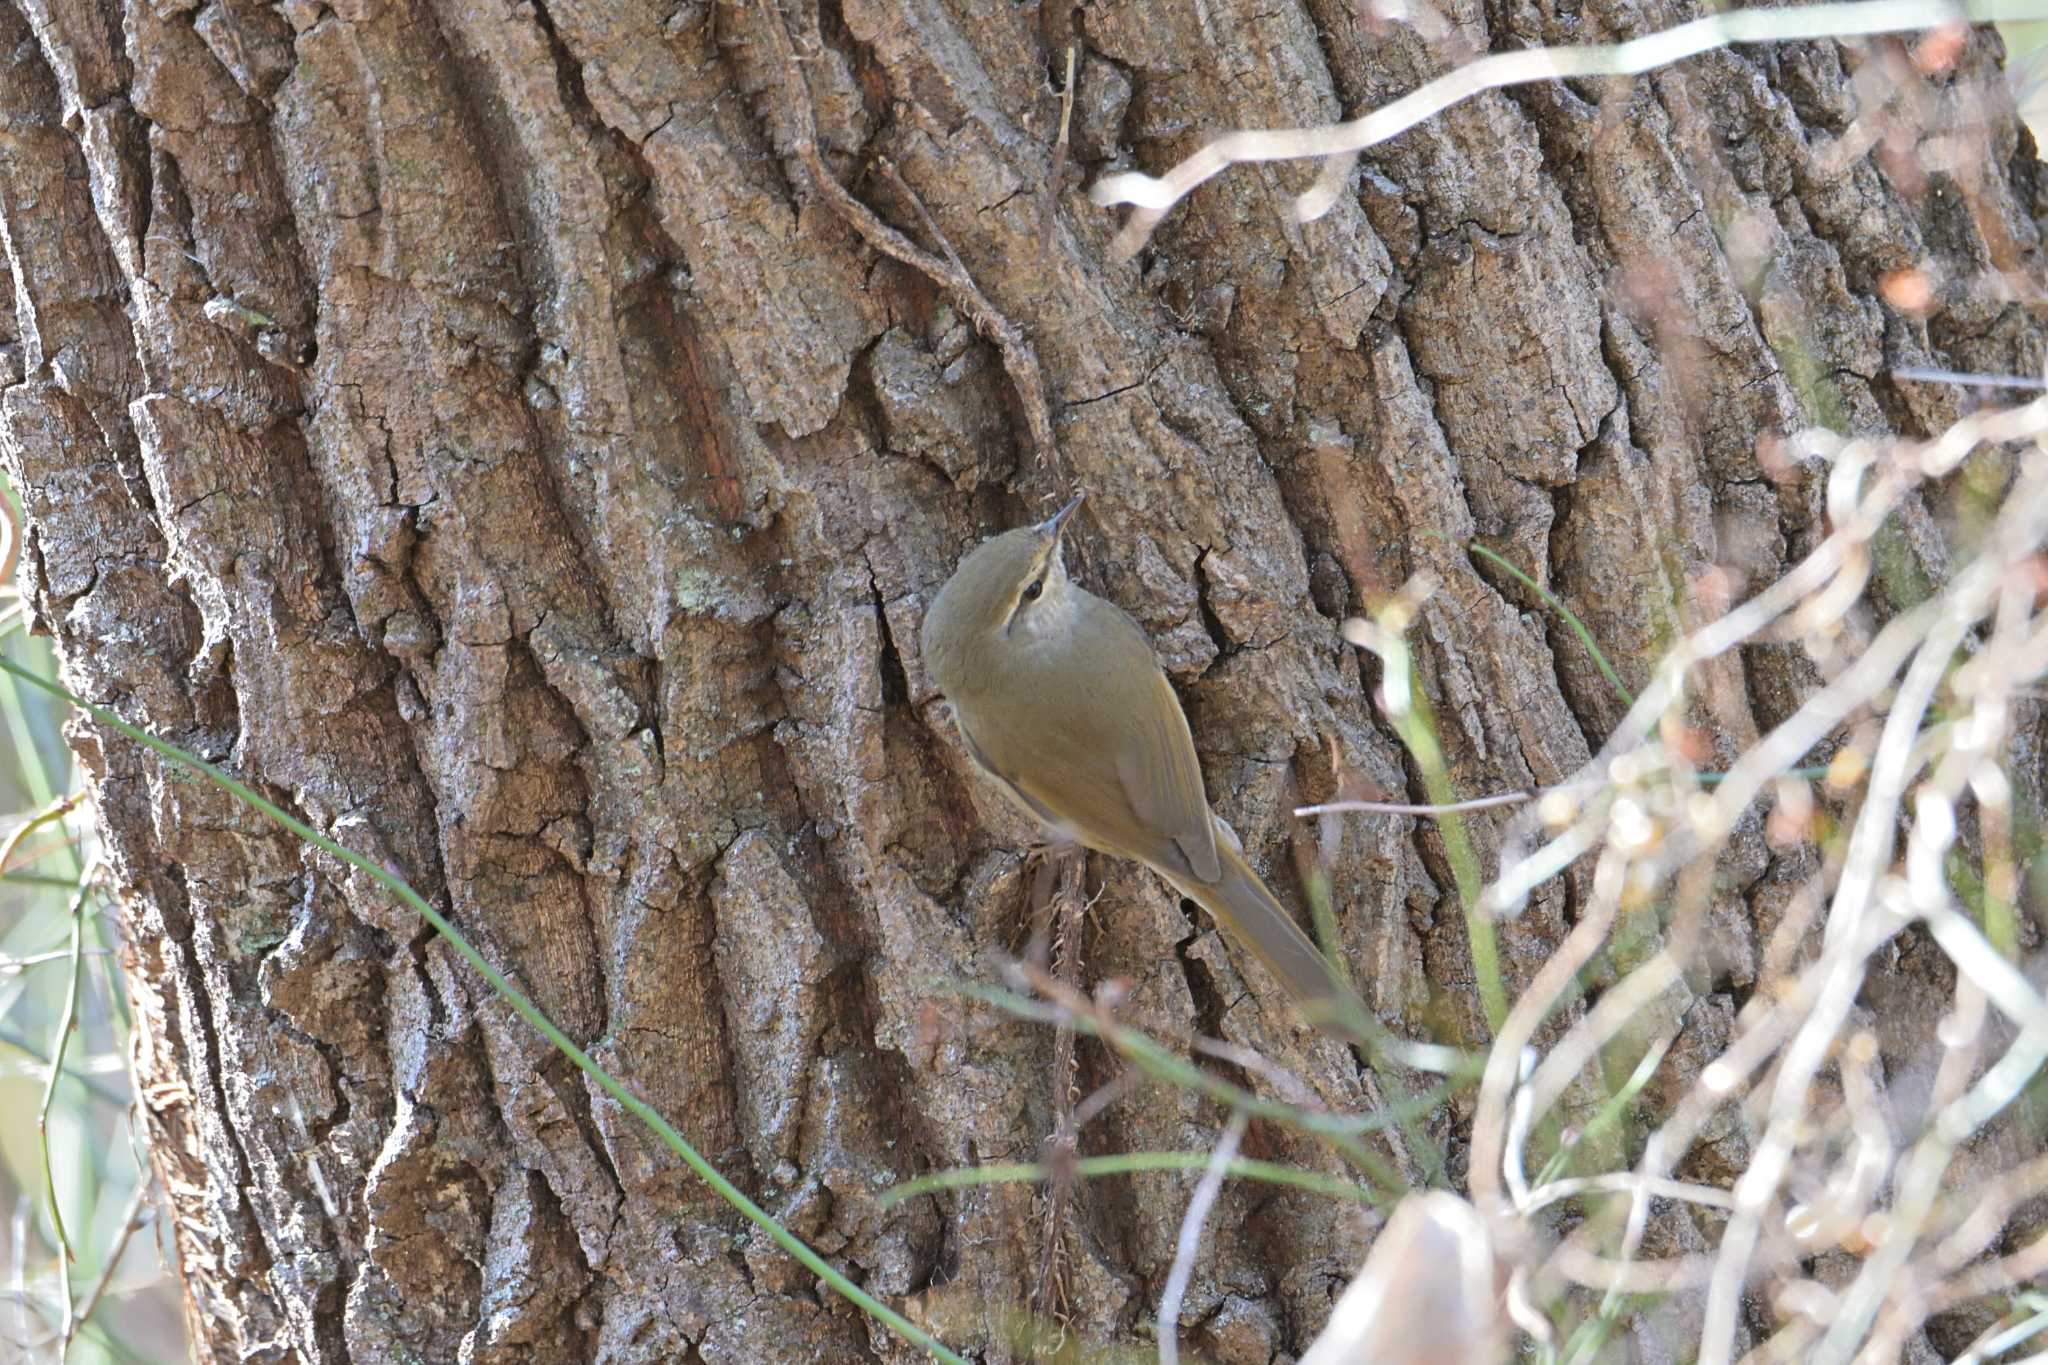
1056	846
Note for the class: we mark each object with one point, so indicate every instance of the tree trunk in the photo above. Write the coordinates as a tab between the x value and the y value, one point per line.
471	424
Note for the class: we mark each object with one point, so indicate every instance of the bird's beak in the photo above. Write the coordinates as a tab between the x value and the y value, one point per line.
1055	523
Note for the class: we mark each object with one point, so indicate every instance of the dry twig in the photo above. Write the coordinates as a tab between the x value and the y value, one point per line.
1975	646
1189	1244
1340	143
1067	870
1020	359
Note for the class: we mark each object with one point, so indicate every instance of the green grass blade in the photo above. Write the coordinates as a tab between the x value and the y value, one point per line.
1578	626
526	1010
1127	1163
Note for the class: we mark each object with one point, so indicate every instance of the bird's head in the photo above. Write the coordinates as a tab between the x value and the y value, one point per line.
1010	592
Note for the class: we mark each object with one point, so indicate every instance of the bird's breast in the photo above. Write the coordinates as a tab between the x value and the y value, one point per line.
1041	630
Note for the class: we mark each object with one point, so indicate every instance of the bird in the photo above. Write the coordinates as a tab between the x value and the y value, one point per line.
1059	697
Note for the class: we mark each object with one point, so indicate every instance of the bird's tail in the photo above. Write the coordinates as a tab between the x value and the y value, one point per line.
1252	917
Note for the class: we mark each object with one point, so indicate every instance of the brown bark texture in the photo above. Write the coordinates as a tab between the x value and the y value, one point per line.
469	422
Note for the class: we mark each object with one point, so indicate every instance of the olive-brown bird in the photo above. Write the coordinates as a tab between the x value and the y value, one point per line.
1061	700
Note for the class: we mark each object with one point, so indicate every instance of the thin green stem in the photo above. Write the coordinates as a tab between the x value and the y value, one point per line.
1340	1132
132	1222
526	1010
98	1089
67	1020
1417	727
1578	626
1128	1163
29	765
21	964
1323	912
1610	1113
102	1336
51	812
1999	873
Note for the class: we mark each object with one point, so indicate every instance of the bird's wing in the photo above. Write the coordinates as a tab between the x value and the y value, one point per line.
1054	823
1130	787
1162	779
1119	774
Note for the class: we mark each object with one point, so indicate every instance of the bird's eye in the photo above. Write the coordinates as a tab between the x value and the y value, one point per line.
1037	587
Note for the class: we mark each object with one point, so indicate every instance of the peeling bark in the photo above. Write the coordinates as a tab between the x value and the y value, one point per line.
465	421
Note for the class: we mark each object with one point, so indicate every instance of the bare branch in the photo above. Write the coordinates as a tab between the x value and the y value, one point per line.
1190	1243
1020	360
1152	196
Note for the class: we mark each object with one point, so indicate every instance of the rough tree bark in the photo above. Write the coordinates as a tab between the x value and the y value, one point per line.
467	421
